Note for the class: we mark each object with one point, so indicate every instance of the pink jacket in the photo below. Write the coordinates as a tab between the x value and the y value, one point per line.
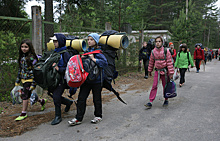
159	64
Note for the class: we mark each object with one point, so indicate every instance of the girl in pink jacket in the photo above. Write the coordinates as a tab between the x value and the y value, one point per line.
161	60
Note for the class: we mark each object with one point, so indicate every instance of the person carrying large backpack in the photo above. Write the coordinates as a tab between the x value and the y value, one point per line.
161	59
94	83
59	41
198	56
183	60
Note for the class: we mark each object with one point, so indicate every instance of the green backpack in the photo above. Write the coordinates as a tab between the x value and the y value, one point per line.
45	75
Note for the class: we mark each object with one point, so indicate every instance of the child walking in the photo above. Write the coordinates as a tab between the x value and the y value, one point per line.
59	41
182	62
94	85
144	54
27	59
163	69
198	56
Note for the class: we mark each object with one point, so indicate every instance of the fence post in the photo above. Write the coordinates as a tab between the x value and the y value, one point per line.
139	47
37	35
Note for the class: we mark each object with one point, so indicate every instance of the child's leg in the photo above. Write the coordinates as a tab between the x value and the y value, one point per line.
26	93
164	82
154	87
81	102
97	99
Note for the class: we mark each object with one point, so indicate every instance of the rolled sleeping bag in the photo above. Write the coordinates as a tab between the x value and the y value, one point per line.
116	41
77	44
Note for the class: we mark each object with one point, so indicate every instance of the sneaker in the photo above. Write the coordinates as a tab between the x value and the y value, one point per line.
96	120
43	104
21	117
148	105
74	122
165	104
197	71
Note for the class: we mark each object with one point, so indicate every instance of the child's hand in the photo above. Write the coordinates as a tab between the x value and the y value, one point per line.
92	57
171	76
82	56
56	67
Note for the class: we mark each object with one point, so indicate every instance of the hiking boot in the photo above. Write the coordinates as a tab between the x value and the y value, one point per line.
96	120
56	120
43	103
74	122
58	117
146	77
21	117
165	104
148	105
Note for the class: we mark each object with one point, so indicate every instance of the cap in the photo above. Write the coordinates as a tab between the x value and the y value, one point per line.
53	38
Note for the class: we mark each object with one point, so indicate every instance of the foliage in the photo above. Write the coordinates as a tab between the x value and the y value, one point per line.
8	68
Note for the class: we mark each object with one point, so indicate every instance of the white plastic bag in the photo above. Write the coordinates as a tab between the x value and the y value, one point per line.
175	75
16	95
34	97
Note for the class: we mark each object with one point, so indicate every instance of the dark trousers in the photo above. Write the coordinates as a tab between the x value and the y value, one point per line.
182	75
83	95
57	94
146	63
198	64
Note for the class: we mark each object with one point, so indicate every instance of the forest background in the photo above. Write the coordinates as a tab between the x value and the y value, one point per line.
189	21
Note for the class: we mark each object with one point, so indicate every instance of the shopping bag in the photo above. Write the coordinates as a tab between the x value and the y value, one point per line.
175	75
16	95
170	89
34	97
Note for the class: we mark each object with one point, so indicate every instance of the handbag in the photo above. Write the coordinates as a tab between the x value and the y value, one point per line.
170	89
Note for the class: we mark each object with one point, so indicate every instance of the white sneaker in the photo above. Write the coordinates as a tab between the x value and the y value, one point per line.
74	122
96	120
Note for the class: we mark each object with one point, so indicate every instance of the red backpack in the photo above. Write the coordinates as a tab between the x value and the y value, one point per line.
75	73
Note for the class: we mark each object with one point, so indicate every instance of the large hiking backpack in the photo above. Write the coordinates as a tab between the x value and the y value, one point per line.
110	70
110	53
45	75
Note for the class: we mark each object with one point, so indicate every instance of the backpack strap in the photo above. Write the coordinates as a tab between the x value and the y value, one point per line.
93	52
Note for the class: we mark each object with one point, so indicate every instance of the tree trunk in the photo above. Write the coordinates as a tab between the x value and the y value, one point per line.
48	28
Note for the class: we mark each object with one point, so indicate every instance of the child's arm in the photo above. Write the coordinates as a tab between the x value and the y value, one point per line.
177	60
18	80
170	64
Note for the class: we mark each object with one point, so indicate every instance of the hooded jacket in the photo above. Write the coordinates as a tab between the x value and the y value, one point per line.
64	56
160	64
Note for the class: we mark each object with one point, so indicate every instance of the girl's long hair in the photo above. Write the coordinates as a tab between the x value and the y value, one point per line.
30	53
183	46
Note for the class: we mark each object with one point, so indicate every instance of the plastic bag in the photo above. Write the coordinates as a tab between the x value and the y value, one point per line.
175	75
170	89
34	97
16	95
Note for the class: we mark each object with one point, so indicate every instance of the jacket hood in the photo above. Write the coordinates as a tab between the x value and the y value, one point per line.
61	39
